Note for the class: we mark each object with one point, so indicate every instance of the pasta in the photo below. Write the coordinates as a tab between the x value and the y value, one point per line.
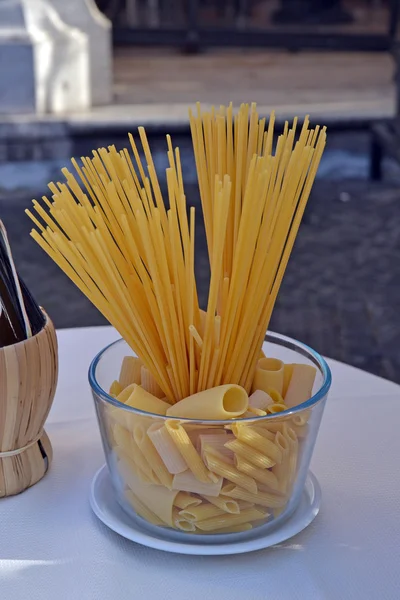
166	448
216	443
260	399
141	509
300	385
222	402
131	251
152	457
229	472
156	498
201	512
115	389
252	455
187	482
150	384
183	500
130	371
139	398
226	521
264	476
266	499
226	504
188	452
268	375
251	437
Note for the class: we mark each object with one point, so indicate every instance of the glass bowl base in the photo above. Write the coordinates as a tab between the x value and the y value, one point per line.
106	507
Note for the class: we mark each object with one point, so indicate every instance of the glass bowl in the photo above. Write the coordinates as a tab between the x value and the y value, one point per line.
259	484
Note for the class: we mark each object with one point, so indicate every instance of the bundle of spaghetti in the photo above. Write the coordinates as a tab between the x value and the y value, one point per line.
132	253
269	195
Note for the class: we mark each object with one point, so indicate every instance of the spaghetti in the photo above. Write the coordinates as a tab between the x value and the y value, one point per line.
132	254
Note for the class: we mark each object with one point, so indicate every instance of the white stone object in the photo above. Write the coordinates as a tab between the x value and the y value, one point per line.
44	66
85	15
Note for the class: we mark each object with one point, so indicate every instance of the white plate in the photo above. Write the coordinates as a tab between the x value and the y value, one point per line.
107	509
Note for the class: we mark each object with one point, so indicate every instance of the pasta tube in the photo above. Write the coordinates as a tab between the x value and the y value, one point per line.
251	454
301	385
225	520
278	407
268	375
227	504
141	509
151	455
183	500
264	476
149	384
217	443
252	438
260	399
201	512
221	402
166	448
266	499
187	482
188	451
254	412
157	498
286	471
115	389
287	375
182	523
142	400
229	472
130	371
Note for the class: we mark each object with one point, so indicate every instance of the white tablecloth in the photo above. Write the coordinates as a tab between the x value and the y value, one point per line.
53	548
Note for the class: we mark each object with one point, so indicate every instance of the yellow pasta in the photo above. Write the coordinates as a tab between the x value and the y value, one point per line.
181	523
142	510
251	454
222	402
268	375
229	472
260	399
263	476
184	500
201	512
166	448
188	451
149	384
157	498
131	251
115	389
275	408
252	438
224	503
300	385
187	482
216	443
287	374
142	400
130	371
228	521
151	455
267	499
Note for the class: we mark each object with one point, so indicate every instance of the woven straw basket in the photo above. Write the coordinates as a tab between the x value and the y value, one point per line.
28	379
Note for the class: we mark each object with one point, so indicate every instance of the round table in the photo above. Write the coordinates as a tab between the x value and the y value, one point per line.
54	548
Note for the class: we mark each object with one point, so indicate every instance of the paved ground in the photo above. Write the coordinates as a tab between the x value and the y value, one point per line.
329	83
341	292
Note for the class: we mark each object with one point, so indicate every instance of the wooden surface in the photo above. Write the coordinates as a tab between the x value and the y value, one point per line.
344	82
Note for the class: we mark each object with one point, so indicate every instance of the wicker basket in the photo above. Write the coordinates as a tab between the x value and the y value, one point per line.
28	380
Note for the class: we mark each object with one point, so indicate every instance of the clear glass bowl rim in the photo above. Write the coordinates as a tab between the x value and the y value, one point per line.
271	337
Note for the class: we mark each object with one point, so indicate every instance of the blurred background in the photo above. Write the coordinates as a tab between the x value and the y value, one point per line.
107	67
